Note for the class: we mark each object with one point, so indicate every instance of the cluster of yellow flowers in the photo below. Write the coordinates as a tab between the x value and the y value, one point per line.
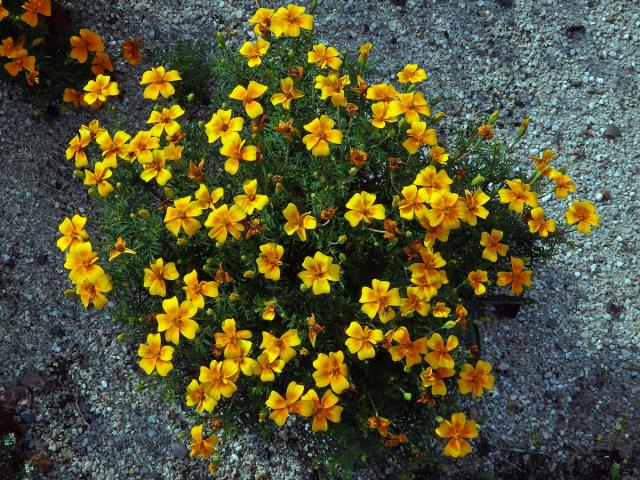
428	201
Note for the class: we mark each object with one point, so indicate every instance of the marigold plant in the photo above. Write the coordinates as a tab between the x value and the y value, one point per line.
313	250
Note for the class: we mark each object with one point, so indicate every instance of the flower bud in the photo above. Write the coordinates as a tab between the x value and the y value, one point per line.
342	239
494	116
78	174
234	297
478	180
93	193
144	213
168	191
406	395
303	288
438	116
353	171
122	337
218	245
69	292
220	38
206	269
408	234
524	126
119	185
132	216
314	5
190	97
342	257
249	274
243	258
209	312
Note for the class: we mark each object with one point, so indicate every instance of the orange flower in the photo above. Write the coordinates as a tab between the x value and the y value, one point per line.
361	207
321	132
322	409
379	299
262	20
280	406
314	329
182	216
156	274
446	209
232	340
142	147
76	148
196	290
584	214
269	311
119	248
248	97
318	271
131	50
332	86
176	320
88	41
155	169
154	356
8	45
99	178
539	224
383	113
269	260
434	378
222	125
476	380
411	74
518	278
564	184
203	447
485	131
518	195
542	163
33	8
251	200
407	349
380	424
477	278
440	310
99	89
101	64
323	57
254	51
218	379
439	356
73	233
197	396
331	370
20	59
473	206
439	154
4	13
225	221
415	302
419	135
91	288
382	92
413	202
159	82
433	180
457	431
413	105
492	245
288	94
165	120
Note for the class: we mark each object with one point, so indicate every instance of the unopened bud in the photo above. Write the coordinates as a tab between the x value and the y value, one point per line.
524	126
249	274
168	191
342	257
438	116
353	171
78	174
303	287
69	292
93	193
234	297
407	396
494	116
122	337
478	180
119	185
209	312
220	38
144	213
408	233
190	97
342	239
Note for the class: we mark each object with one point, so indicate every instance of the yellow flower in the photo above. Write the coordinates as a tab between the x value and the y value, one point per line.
76	148
407	349
331	370
154	356
262	19
155	169
439	356
206	199
433	180
218	379
222	125
473	206
419	135
297	223
158	82
142	146
364	50
476	380
197	397
112	148
361	340
321	131
233	148
99	178
204	447
412	105
539	224
269	311
584	214
324	57
457	431
413	202
288	93
314	329
290	20
362	207
165	120
281	347
564	184
251	200
254	51
182	216
440	310
119	248
177	320
383	112
415	302
99	89
379	299
156	274
224	221
382	92
81	261
517	277
195	290
332	86
248	97
267	365
439	154
517	195
411	74
446	209
269	260
72	230
542	163
434	378
492	245
317	273
477	278
322	409
232	340
246	365
92	287
280	406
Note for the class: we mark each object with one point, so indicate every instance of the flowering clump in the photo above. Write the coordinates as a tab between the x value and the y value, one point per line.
315	249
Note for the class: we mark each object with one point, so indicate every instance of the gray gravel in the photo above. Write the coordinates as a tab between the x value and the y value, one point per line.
568	386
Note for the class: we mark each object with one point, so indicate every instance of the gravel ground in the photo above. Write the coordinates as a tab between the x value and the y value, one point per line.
567	394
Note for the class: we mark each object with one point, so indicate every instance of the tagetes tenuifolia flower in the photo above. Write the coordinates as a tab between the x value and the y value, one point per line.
439	355
131	51
298	223
156	274
433	180
282	346
177	320
477	279
154	356
362	339
385	112
321	409
196	290
281	406
251	200
254	52
218	379
331	370
419	135
200	446
81	261
517	277
518	195
457	431
413	202
379	300
288	94
197	397
269	260
409	350
321	133
492	245
100	89
248	95
233	147
99	178
155	169
72	230
119	248
476	379
165	120
473	206
222	124
434	378
113	148
267	365
323	57
411	73
225	221
183	216
564	184
584	214
290	20
538	224
86	42
232	340
361	207
318	271
33	8
158	82
19	60
92	288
